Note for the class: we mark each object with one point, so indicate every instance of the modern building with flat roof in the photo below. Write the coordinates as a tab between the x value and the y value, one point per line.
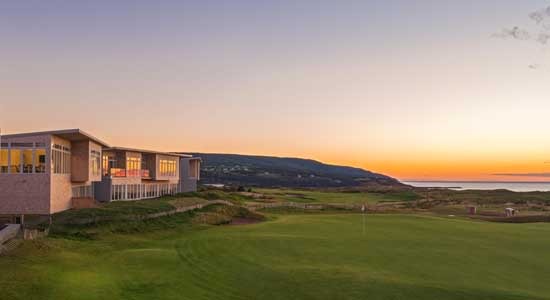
42	173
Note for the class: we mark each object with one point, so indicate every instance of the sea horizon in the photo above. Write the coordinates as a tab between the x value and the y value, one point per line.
481	181
516	186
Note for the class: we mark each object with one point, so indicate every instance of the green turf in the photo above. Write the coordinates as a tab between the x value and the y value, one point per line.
290	257
306	196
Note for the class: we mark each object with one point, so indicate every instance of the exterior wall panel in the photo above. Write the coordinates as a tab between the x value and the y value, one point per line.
187	183
80	161
26	193
61	192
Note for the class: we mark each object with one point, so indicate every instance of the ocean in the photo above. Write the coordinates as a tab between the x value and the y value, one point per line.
481	185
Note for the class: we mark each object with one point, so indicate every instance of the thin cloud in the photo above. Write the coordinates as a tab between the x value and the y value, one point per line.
540	16
539	33
514	33
523	174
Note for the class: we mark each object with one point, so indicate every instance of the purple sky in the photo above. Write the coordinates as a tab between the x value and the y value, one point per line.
416	89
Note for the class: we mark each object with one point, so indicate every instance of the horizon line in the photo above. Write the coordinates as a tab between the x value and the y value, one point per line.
474	181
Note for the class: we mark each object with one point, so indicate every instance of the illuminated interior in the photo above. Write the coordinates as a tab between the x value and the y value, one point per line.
3	160
15	161
133	166
40	161
168	167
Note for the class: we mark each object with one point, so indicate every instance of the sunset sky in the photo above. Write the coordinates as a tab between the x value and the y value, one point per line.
412	89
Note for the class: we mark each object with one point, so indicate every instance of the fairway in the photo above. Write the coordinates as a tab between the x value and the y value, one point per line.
292	257
312	196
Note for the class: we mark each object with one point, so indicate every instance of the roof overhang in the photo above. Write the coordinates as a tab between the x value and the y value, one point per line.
125	149
73	135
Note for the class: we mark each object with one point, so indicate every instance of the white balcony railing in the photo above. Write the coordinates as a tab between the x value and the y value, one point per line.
122	192
83	191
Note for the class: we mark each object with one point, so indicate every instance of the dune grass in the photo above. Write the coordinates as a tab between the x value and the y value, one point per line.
289	257
125	208
142	207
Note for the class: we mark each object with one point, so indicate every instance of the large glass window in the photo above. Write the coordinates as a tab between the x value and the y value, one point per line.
15	161
4	161
40	160
27	160
133	165
95	161
22	158
61	159
168	167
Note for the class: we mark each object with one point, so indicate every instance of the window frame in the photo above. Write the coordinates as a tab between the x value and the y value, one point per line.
63	155
95	162
21	147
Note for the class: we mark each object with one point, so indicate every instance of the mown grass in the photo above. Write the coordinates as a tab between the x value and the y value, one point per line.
311	196
290	257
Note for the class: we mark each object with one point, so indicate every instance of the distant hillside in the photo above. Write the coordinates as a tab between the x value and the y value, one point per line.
266	171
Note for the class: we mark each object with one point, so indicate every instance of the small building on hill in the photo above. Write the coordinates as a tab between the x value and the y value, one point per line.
510	212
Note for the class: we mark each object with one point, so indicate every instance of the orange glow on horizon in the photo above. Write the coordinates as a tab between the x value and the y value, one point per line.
433	169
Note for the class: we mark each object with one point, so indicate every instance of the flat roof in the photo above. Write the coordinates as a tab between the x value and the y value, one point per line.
144	151
191	157
68	134
80	135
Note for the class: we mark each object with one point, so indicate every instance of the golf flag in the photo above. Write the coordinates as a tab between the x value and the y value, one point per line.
364	209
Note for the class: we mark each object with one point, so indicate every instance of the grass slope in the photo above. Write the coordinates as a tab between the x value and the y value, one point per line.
290	257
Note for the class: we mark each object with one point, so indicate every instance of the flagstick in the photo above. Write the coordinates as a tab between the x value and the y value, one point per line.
364	209
363	223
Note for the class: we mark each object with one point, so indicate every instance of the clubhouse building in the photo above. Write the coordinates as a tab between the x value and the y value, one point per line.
42	173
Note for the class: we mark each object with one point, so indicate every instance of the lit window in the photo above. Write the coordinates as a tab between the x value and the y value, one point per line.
15	161
27	166
4	161
133	165
22	158
40	161
95	162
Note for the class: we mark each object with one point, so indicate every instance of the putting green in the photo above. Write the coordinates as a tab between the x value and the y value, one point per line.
293	257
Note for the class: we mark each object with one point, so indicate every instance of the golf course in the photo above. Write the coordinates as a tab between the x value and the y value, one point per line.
290	256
